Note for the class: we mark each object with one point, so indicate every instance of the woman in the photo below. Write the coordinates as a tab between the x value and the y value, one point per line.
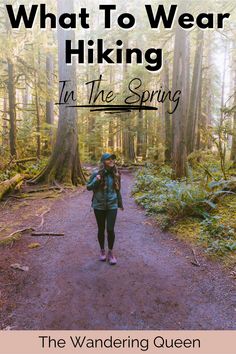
106	184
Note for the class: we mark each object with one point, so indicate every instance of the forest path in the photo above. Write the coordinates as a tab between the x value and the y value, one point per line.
153	286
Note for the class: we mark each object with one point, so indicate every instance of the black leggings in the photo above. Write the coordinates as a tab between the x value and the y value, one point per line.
101	217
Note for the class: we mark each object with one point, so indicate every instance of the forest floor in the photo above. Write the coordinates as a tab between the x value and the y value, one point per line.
154	285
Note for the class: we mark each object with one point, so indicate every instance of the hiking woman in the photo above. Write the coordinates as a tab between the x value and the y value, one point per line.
106	184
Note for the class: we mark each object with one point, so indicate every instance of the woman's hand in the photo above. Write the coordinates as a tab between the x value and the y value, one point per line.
98	177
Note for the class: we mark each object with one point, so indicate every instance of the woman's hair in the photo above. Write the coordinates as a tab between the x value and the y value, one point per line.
116	177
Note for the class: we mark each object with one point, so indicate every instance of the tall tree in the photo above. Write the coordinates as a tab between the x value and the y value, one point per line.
49	101
12	105
64	165
11	88
233	148
4	124
179	82
111	121
127	134
37	104
140	135
195	94
167	116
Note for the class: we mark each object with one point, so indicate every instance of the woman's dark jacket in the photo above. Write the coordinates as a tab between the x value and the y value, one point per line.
104	198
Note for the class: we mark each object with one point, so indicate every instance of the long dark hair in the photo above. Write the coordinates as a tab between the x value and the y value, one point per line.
115	174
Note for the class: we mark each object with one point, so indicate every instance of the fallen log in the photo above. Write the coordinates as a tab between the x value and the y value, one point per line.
18	162
137	164
10	184
230	188
27	159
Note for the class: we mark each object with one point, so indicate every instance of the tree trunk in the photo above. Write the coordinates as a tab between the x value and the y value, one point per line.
64	164
49	102
199	116
233	148
221	129
127	134
12	106
166	108
11	90
140	136
25	96
4	124
195	93
111	135
179	82
207	94
111	121
37	107
10	184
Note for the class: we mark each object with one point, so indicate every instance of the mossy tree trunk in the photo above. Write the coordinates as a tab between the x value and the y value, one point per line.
4	124
64	165
49	99
233	148
12	106
37	105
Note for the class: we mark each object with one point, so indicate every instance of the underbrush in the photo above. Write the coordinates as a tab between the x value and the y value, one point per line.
30	168
201	209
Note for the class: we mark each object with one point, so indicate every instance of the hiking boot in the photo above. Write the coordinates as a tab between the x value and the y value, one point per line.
102	256
111	258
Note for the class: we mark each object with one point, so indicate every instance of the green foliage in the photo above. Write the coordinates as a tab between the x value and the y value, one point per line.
36	167
28	168
161	194
219	238
174	201
205	165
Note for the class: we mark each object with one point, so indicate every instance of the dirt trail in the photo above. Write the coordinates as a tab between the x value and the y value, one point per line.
153	286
